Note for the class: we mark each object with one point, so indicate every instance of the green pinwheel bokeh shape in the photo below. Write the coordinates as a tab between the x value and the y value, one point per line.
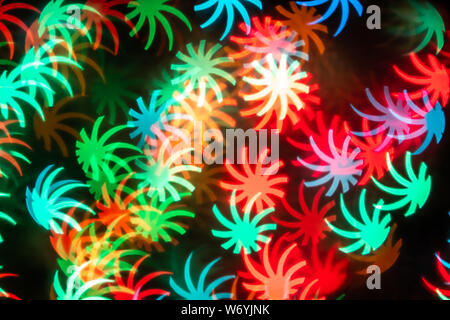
76	289
371	233
199	292
243	232
47	200
152	11
422	18
35	66
414	192
117	171
95	154
153	219
160	173
199	69
12	94
112	93
57	18
431	23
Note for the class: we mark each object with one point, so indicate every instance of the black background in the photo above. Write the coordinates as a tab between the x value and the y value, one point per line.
360	58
